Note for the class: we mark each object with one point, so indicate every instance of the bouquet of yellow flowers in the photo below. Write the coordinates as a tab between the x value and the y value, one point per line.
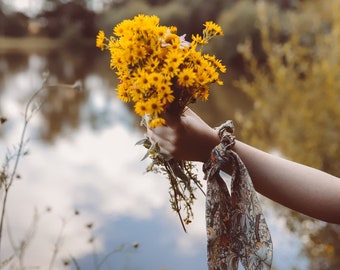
161	72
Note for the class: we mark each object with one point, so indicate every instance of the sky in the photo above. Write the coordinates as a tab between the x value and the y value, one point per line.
32	7
98	172
27	6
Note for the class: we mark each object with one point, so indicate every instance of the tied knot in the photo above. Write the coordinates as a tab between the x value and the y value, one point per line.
220	154
225	132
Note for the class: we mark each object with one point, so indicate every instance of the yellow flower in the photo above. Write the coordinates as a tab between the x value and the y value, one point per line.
212	29
152	64
174	57
154	106
171	69
139	52
220	82
165	94
170	39
123	29
136	94
143	80
122	92
148	21
216	62
197	39
173	29
156	122
161	31
117	60
186	77
202	92
100	40
141	108
202	77
156	79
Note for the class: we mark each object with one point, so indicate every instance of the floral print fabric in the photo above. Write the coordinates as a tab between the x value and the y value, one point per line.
236	228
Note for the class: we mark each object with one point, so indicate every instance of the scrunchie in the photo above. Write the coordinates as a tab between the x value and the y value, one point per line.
236	228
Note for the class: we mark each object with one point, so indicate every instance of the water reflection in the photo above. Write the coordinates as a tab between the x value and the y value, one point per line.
83	158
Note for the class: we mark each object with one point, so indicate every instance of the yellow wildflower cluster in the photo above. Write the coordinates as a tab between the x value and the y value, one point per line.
158	70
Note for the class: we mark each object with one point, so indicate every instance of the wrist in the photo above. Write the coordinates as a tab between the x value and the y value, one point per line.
212	140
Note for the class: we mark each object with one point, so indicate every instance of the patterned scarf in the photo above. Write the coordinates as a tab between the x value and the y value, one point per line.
236	228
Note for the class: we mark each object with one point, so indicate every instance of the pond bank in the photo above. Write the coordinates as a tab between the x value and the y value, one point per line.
37	44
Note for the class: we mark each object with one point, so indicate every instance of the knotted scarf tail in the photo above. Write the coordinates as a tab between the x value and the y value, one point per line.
236	228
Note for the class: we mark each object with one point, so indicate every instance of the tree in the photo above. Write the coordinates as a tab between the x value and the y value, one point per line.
71	16
296	95
13	24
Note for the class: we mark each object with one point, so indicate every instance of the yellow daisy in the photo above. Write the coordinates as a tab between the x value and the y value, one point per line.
186	77
122	92
161	31
141	108
203	93
171	69
197	39
136	94
156	122
139	52
212	29
156	79
216	62
174	57
100	40
143	80
165	94
170	38
122	28
154	106
152	64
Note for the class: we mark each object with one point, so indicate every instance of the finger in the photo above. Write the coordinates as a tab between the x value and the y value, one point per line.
160	133
151	135
163	145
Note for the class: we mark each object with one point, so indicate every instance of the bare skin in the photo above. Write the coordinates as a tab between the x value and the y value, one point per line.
299	187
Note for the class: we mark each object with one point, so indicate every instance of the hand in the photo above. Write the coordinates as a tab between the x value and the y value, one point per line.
185	137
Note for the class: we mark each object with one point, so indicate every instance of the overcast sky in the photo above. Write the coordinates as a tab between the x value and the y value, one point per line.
32	7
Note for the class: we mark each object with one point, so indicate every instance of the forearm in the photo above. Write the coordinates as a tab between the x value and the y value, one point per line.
301	188
293	185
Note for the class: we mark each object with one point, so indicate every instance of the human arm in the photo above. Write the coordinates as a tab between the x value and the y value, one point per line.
301	188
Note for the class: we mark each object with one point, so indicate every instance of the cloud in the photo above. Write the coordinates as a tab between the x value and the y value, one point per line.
98	172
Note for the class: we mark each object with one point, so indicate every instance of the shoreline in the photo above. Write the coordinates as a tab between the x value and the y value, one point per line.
36	44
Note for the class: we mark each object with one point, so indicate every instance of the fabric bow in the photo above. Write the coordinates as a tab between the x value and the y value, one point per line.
236	228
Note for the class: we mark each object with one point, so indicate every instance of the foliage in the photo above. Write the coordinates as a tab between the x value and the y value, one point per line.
13	25
74	16
301	72
296	94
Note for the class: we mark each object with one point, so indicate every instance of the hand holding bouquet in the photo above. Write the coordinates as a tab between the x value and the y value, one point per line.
161	72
